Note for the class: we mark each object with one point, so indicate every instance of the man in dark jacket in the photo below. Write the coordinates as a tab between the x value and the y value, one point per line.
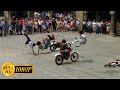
64	50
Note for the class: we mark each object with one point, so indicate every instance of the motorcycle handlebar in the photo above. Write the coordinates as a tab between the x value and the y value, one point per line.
75	37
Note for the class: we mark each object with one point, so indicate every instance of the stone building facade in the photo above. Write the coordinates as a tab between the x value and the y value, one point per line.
82	15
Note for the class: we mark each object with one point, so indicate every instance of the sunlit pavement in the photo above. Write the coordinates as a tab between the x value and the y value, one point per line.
98	51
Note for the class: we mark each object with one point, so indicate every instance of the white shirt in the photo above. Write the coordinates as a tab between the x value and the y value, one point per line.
100	24
2	22
89	23
77	22
35	13
93	24
40	22
83	36
10	27
84	22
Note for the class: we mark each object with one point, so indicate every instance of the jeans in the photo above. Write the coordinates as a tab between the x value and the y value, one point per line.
47	43
101	29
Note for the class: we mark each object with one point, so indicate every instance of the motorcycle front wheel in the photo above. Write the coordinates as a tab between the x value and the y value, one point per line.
59	60
74	56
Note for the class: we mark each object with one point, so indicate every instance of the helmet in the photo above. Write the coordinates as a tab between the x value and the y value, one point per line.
81	32
38	42
63	41
48	35
34	44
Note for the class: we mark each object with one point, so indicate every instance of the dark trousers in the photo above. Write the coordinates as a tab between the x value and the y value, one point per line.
47	43
1	31
89	29
54	27
40	28
28	39
84	28
13	29
21	29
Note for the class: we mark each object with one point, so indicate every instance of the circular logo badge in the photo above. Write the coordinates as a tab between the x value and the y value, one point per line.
8	69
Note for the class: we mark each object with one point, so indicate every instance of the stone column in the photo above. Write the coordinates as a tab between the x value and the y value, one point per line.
7	15
79	14
85	15
31	13
97	16
28	14
74	13
50	14
112	13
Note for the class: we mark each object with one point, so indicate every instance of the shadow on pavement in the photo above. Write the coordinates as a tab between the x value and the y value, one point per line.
89	61
49	52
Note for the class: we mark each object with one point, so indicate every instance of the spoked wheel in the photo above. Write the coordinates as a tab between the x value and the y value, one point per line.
53	47
74	56
59	60
69	45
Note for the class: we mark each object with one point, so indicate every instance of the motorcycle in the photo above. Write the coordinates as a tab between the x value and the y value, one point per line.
113	64
60	57
55	45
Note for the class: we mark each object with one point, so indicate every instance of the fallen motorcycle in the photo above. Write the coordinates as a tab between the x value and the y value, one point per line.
113	64
54	45
60	58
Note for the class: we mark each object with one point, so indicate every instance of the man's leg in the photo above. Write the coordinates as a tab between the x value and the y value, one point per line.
28	39
79	43
47	44
67	55
75	41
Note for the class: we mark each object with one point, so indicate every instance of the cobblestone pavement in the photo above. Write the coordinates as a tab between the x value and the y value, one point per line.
98	51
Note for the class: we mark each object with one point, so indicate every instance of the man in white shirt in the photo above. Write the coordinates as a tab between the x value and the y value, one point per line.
84	28
81	40
100	25
77	24
40	25
94	26
89	24
35	14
